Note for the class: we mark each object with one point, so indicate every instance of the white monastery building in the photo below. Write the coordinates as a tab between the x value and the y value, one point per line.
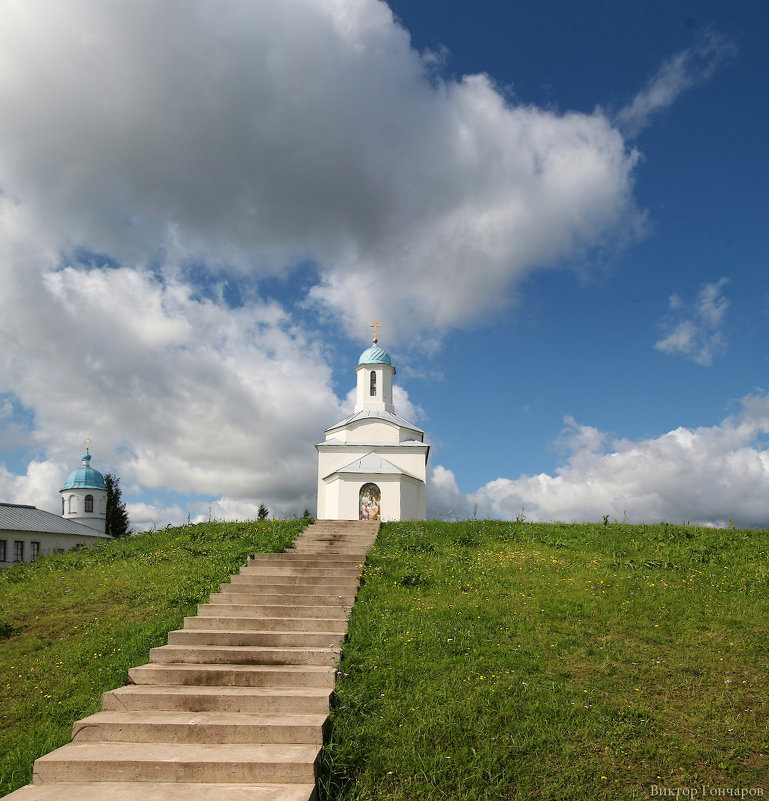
373	464
27	532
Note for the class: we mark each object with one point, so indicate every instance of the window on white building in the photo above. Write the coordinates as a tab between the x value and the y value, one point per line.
89	503
372	386
18	551
35	547
3	545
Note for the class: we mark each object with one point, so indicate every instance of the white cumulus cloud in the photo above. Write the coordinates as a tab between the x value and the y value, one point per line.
260	135
707	475
178	392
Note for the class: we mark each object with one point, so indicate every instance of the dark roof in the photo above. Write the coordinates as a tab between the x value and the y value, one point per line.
17	517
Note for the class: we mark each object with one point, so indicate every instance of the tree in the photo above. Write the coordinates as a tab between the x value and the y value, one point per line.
117	516
263	512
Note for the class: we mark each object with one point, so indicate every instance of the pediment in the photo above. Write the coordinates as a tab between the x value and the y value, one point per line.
372	464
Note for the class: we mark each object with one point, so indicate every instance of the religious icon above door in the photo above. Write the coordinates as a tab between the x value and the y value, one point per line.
370	498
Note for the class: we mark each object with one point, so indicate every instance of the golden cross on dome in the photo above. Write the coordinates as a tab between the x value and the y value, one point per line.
87	444
375	325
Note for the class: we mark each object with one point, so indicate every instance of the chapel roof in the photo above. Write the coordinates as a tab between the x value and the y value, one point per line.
406	443
375	355
389	417
85	477
374	464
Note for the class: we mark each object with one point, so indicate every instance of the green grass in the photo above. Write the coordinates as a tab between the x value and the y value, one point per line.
486	660
491	660
71	625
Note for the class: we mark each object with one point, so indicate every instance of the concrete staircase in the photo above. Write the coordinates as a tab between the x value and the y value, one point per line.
234	707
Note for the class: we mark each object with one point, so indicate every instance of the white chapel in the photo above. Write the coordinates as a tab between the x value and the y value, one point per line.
373	464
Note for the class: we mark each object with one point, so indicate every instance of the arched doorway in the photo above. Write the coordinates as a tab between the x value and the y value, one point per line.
369	502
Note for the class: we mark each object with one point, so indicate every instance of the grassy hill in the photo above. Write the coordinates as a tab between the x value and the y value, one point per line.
486	659
491	660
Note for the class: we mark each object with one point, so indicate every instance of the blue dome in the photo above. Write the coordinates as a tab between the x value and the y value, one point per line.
375	355
85	477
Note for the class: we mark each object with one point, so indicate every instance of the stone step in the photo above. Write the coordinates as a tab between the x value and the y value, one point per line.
301	571
323	535
308	560
226	622
339	573
360	540
259	610
357	556
320	538
304	581
257	598
323	541
275	584
268	596
199	727
335	531
325	532
183	762
273	639
234	675
344	527
326	535
164	791
357	538
337	553
182	698
330	549
242	655
319	559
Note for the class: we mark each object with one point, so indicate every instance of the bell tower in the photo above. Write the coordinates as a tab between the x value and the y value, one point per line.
84	496
375	373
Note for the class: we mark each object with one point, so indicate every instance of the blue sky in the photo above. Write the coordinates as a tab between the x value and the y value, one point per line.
556	211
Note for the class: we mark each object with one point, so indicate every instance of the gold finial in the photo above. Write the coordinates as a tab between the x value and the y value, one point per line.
375	325
87	444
